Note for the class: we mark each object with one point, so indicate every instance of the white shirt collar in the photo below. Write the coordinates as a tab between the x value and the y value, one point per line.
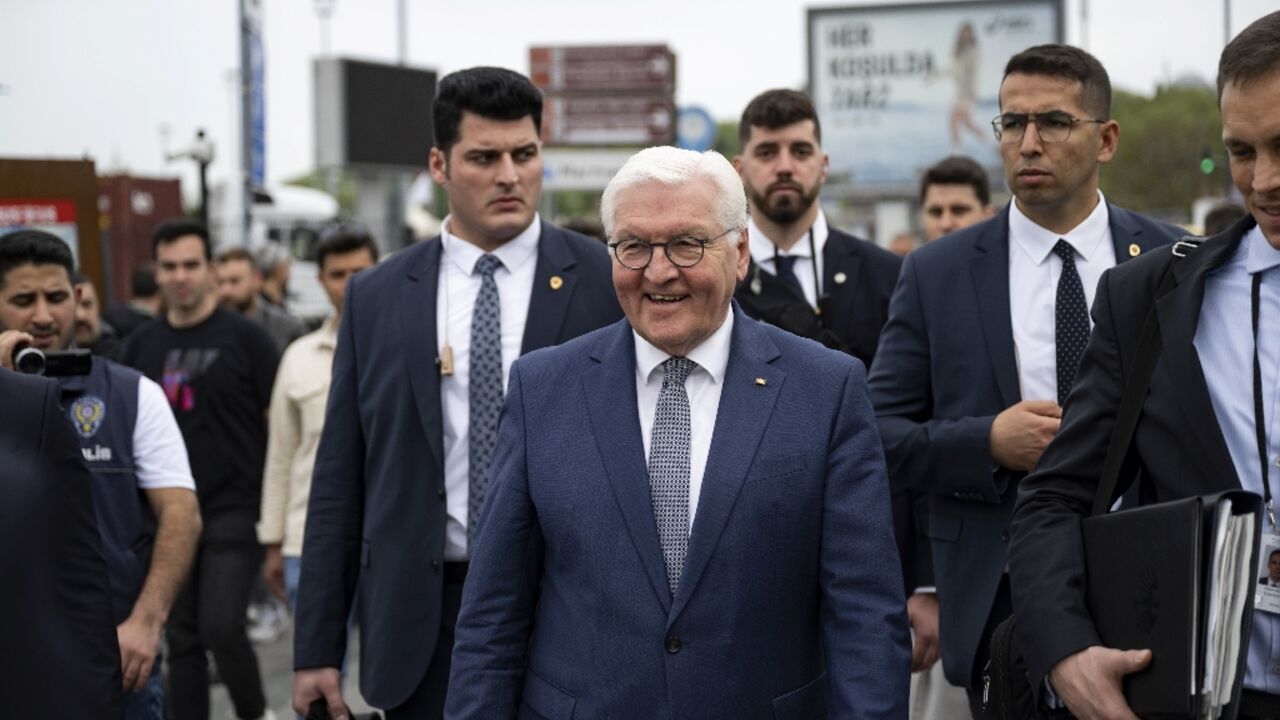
763	249
1262	254
1037	242
711	355
513	253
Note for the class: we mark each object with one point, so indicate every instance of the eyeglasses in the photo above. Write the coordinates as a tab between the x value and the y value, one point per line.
1053	126
683	251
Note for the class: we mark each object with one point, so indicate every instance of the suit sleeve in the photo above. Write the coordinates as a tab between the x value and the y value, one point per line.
864	621
949	456
331	540
501	591
1046	552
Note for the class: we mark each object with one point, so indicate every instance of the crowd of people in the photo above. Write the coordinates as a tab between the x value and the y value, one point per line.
730	463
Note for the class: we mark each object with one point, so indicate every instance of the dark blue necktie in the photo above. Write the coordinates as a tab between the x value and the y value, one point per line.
484	388
786	267
1071	320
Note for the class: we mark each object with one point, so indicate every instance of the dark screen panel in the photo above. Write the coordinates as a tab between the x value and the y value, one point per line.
388	111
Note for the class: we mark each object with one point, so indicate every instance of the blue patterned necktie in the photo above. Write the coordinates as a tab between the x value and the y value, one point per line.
1071	320
484	388
669	467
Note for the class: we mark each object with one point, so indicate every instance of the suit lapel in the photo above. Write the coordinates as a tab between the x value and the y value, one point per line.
610	389
839	258
1179	314
745	409
1127	235
553	282
418	328
990	272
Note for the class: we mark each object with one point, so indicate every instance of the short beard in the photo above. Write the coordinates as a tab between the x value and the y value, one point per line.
786	211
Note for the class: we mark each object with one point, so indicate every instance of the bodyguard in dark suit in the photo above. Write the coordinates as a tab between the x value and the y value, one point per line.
418	375
1197	432
804	276
985	330
689	515
58	654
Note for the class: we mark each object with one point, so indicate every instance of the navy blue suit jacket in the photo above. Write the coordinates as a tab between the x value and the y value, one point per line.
790	604
58	654
376	517
945	369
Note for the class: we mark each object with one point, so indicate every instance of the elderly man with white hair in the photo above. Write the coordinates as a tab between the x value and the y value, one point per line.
688	512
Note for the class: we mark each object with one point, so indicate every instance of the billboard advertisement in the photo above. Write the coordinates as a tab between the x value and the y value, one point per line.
899	87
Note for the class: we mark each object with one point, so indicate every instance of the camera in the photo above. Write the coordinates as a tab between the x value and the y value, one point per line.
61	363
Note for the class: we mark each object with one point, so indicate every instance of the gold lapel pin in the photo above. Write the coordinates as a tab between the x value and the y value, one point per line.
557	282
1134	250
840	278
761	382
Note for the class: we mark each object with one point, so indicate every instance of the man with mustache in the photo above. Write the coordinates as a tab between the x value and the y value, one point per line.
805	277
985	331
419	372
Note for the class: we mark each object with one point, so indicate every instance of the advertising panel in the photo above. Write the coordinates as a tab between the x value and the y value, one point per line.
899	87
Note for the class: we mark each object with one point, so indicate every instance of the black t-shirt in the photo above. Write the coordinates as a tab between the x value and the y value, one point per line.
217	376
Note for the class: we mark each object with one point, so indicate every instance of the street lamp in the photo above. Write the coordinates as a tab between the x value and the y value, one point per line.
200	150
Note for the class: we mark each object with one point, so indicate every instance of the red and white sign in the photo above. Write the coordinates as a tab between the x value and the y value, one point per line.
57	217
608	120
608	68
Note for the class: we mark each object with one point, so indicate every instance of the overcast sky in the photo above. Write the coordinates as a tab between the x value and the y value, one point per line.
108	79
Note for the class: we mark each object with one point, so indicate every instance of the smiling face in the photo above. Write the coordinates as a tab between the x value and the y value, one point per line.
1251	133
493	175
1056	184
39	300
674	308
783	170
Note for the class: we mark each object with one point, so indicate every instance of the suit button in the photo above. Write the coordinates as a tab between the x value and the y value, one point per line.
672	644
435	566
440	492
1005	536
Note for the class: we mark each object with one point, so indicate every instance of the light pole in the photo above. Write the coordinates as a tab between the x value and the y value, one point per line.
324	11
200	150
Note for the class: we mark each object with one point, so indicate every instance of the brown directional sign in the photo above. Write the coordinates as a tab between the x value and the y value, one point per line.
608	119
615	68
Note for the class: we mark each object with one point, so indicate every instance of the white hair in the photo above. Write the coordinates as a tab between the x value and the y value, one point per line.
673	167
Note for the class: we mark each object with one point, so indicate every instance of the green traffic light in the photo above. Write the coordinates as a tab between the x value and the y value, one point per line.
1206	165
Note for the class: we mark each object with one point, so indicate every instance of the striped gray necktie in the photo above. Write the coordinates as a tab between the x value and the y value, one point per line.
484	388
669	467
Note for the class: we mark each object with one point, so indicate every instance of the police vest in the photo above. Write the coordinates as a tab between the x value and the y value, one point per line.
103	409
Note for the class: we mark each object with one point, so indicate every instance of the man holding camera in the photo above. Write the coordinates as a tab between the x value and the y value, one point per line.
122	422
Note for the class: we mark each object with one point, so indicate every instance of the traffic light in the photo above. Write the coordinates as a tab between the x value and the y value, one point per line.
1206	162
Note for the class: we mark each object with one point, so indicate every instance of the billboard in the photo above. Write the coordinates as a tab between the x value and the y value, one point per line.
899	87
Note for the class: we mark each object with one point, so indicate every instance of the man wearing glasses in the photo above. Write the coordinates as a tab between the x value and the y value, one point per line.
687	512
985	331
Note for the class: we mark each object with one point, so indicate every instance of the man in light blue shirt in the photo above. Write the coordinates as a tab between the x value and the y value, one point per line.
1198	432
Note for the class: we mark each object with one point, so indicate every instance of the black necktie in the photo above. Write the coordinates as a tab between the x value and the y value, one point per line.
786	265
1071	320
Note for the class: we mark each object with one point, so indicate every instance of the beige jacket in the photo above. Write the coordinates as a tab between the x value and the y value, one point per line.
295	420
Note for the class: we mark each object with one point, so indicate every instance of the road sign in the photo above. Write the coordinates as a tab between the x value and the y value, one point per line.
581	169
695	129
608	119
625	68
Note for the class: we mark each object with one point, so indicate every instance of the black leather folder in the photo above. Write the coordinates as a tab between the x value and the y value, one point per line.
1148	586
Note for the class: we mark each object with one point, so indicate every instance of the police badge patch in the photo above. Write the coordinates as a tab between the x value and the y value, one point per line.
86	414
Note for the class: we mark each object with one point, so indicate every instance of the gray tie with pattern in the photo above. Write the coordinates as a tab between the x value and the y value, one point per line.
484	388
669	467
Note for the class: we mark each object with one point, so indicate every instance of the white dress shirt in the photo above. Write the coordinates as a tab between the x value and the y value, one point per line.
703	386
455	300
1034	270
763	250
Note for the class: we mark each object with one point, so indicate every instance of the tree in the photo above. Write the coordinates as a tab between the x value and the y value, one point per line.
1163	139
